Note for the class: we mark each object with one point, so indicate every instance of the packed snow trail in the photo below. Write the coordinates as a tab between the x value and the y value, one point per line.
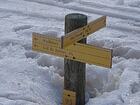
93	10
118	8
29	11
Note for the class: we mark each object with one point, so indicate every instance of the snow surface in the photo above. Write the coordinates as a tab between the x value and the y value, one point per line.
32	78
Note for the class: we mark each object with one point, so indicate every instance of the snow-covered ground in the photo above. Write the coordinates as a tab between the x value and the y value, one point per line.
32	78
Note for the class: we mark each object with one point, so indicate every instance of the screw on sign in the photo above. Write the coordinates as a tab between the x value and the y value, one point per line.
69	98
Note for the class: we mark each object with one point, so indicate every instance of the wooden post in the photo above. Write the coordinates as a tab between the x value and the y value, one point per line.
74	77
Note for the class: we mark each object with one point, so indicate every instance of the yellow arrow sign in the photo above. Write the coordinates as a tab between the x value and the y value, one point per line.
83	32
49	41
79	52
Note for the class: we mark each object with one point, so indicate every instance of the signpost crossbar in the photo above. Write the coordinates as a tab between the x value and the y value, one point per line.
79	52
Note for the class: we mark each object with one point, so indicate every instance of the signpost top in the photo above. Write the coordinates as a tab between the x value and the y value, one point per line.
76	16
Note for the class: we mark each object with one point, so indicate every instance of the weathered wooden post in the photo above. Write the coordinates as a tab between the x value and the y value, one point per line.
74	77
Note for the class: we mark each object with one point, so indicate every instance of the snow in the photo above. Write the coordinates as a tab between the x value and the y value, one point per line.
120	2
32	78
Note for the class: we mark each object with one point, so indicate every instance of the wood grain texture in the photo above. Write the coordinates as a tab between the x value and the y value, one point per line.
74	77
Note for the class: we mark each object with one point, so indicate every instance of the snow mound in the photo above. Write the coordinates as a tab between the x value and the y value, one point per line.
126	52
31	54
120	2
22	27
47	60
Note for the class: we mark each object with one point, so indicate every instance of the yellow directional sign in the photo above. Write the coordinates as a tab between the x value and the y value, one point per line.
83	32
69	97
79	52
49	41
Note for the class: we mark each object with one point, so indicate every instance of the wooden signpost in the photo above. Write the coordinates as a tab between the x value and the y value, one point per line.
76	54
